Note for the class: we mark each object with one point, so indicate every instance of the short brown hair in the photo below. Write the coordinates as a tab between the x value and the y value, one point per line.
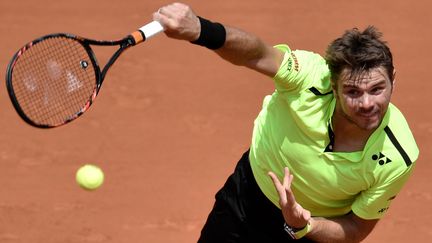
358	52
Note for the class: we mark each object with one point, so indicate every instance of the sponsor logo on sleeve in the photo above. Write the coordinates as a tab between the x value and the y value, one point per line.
296	63
293	63
383	210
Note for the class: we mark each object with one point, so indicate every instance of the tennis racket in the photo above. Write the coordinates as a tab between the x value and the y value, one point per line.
54	79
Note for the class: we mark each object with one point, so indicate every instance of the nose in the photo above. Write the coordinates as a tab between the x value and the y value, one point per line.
366	102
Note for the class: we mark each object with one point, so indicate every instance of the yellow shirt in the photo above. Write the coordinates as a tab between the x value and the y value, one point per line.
293	130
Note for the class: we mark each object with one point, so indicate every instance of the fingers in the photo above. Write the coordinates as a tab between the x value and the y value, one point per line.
284	189
173	10
279	187
288	177
286	197
166	22
179	21
294	214
167	15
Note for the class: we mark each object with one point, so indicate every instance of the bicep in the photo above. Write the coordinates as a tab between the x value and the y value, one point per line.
268	63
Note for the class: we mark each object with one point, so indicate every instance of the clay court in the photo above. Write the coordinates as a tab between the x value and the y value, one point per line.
172	119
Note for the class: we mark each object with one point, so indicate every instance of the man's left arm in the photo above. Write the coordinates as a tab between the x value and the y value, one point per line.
347	228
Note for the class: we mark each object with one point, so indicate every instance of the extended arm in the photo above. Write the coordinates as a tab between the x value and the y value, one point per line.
240	48
347	228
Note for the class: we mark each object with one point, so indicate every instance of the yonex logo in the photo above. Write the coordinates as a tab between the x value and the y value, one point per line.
382	159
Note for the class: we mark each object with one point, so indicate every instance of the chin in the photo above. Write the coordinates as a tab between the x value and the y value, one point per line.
369	124
369	127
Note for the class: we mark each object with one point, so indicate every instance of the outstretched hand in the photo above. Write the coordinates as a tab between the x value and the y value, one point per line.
179	21
294	214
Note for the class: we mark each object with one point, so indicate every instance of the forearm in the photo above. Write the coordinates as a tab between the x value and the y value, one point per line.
244	49
339	229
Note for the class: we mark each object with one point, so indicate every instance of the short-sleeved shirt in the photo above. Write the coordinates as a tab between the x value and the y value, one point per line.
294	130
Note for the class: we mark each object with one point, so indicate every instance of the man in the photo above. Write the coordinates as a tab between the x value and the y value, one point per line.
329	131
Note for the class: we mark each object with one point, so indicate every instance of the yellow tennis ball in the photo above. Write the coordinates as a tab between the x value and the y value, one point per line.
89	177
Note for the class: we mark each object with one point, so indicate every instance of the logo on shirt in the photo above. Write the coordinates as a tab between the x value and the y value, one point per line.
293	62
383	210
381	158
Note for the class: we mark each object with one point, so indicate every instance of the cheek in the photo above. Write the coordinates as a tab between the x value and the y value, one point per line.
384	100
348	103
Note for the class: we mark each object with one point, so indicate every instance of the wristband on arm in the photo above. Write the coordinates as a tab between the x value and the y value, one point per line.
212	35
297	233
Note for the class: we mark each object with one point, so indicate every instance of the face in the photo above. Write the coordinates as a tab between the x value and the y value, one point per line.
364	101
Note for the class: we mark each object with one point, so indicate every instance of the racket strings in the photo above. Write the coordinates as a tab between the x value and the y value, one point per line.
53	80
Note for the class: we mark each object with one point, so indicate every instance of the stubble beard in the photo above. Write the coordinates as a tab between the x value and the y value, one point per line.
362	125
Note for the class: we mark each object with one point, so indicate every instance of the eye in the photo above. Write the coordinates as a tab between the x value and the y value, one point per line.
352	92
377	90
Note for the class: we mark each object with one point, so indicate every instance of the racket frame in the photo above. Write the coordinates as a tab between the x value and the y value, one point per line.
134	38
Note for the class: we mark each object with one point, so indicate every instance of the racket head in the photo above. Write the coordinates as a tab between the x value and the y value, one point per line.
53	80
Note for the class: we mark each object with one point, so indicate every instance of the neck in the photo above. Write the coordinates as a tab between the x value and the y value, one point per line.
348	137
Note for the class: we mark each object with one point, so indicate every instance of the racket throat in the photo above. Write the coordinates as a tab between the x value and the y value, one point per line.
111	61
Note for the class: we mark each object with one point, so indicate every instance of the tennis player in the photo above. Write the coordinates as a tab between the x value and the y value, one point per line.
329	152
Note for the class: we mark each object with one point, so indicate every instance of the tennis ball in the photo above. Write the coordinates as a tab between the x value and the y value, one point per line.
89	177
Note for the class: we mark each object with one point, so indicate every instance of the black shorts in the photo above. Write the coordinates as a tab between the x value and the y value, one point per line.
243	214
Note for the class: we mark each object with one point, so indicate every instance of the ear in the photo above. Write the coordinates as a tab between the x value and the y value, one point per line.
334	88
394	79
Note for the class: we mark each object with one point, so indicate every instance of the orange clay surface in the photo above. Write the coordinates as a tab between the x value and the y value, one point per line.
172	119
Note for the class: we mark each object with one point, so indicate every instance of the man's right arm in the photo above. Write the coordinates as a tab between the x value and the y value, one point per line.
346	228
240	48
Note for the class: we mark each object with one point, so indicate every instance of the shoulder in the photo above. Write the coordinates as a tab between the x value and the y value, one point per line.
399	137
301	69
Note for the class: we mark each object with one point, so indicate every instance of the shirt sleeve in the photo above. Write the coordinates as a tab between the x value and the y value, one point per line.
299	70
375	201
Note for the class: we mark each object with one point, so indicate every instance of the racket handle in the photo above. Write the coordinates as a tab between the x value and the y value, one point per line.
147	31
